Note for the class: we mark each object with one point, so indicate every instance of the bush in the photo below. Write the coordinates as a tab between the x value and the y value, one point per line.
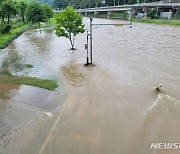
152	13
5	28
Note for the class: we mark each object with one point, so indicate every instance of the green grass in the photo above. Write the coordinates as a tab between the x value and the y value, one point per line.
118	15
102	15
5	38
28	66
46	84
112	15
159	21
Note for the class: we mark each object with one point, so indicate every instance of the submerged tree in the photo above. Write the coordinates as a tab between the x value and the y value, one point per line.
69	24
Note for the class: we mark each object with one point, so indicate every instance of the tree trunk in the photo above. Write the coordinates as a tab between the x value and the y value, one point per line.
2	19
8	19
23	19
39	27
72	42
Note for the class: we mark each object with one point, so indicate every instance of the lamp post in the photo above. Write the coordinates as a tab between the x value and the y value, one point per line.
91	19
87	48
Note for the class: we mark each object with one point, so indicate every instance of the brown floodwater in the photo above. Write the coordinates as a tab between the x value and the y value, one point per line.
112	107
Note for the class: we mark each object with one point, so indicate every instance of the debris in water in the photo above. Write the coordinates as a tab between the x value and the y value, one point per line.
49	115
158	87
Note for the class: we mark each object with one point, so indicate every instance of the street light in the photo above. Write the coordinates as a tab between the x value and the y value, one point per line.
91	19
87	48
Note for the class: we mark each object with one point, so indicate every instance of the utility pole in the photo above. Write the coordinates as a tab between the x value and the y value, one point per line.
91	19
87	49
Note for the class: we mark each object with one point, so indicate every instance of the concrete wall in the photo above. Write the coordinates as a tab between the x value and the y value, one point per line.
164	14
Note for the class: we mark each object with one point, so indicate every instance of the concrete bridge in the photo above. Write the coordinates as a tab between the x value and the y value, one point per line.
165	9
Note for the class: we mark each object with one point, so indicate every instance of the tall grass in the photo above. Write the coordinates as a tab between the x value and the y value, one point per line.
159	21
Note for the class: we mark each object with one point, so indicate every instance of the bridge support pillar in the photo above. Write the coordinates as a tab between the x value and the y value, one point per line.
145	12
86	14
95	14
132	12
170	14
109	13
177	13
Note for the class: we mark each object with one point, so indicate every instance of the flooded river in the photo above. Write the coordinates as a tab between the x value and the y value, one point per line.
110	108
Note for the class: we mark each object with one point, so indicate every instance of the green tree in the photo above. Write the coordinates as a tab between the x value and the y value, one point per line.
152	13
35	13
22	9
69	24
48	11
8	9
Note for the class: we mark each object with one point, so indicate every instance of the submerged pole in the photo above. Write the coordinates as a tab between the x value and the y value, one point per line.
91	19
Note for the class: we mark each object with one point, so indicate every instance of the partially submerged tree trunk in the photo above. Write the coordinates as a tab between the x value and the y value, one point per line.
71	38
8	19
23	19
39	27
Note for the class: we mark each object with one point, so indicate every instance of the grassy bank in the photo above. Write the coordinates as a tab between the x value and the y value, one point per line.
46	84
5	39
18	28
159	21
112	15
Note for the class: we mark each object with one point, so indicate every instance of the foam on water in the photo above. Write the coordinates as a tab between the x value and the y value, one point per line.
164	102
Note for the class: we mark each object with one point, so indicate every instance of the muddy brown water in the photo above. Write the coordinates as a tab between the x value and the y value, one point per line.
110	108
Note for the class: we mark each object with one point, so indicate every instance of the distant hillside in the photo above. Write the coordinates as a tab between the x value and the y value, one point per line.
50	2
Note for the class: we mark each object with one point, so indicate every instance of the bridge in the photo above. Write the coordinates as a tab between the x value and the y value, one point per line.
168	9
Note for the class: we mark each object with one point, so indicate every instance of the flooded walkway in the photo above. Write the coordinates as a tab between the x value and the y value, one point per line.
110	108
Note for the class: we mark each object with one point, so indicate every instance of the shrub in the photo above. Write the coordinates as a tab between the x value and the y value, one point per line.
5	28
152	13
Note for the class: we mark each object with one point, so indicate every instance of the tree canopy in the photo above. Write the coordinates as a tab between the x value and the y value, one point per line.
22	11
69	24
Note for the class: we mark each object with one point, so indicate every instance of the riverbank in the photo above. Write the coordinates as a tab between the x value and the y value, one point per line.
5	76
158	21
6	39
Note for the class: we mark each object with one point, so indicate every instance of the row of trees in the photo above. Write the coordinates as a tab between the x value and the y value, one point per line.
33	12
95	3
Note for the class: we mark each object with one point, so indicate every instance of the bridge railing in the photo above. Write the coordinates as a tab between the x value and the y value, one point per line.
135	5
